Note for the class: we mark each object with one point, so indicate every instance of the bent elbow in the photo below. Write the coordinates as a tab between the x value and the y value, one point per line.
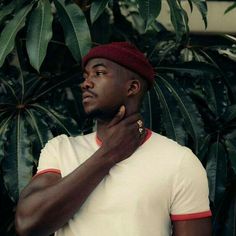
23	225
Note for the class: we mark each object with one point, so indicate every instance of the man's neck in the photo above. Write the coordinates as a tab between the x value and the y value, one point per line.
102	124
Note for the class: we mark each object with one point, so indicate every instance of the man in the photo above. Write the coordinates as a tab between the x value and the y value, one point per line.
123	180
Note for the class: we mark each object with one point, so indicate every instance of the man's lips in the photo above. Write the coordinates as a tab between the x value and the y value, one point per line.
86	96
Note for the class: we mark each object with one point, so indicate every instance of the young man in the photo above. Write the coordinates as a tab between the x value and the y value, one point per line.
123	180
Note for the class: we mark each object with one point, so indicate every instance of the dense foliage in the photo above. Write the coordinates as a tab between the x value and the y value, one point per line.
193	100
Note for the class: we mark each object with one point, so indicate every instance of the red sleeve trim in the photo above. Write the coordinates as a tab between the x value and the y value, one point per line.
98	141
191	216
56	171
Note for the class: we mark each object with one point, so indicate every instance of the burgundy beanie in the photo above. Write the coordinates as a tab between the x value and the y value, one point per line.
124	54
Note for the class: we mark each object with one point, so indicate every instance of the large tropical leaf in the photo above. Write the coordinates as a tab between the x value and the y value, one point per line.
10	91
39	126
230	8
7	38
147	110
18	162
230	212
231	149
39	33
230	114
58	120
4	127
173	122
6	10
215	95
178	19
192	68
217	171
224	217
204	148
97	8
202	7
75	28
191	116
39	132
149	10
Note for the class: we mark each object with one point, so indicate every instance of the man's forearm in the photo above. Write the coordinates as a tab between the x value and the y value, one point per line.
45	210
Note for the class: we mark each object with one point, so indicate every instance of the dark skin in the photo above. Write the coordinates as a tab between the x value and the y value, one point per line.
112	95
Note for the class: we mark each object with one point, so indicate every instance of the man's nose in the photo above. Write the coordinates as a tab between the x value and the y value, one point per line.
87	84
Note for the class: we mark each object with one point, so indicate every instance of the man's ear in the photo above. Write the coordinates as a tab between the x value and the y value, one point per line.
133	87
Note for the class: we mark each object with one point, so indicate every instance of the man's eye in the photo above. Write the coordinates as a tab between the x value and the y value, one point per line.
99	73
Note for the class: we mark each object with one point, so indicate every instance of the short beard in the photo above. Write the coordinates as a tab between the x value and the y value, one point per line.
101	114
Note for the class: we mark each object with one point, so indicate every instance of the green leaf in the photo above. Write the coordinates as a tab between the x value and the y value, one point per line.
215	96
230	114
178	19
190	5
202	7
173	123
6	10
39	126
192	118
11	91
18	162
39	33
230	8
193	68
149	10
4	127
216	168
97	8
66	124
75	107
231	149
204	148
76	30
147	110
230	38
7	38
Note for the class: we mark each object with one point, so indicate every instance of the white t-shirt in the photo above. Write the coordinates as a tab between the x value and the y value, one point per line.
160	182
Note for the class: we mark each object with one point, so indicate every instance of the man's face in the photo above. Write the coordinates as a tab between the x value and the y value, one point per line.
104	88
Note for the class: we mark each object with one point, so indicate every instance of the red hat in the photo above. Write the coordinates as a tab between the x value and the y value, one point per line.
124	54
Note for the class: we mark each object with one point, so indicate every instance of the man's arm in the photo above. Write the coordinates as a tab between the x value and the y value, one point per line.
197	227
49	201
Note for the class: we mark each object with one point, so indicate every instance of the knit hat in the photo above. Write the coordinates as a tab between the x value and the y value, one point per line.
124	54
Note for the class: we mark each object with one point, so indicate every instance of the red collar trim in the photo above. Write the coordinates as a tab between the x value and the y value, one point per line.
148	135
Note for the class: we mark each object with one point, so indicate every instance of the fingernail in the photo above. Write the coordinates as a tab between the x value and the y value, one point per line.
122	108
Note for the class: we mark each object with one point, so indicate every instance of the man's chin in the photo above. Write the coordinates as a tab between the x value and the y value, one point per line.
100	115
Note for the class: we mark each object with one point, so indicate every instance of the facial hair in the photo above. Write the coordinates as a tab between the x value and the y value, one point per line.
102	114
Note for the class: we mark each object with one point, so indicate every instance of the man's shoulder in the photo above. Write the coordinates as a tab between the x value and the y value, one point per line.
168	147
161	140
63	139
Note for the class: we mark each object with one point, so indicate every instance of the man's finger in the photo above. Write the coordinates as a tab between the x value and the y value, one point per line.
118	117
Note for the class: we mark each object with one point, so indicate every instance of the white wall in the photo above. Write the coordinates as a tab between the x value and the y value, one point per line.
218	22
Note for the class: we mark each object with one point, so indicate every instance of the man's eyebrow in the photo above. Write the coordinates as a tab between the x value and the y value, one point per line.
95	66
98	64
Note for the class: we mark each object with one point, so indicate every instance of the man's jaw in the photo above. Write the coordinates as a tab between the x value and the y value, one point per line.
102	114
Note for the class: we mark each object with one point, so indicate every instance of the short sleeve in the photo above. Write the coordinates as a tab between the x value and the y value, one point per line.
48	160
190	190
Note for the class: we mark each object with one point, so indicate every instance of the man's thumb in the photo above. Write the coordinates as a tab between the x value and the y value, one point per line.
118	117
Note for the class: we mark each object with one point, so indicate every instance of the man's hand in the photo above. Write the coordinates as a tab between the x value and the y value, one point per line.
122	136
